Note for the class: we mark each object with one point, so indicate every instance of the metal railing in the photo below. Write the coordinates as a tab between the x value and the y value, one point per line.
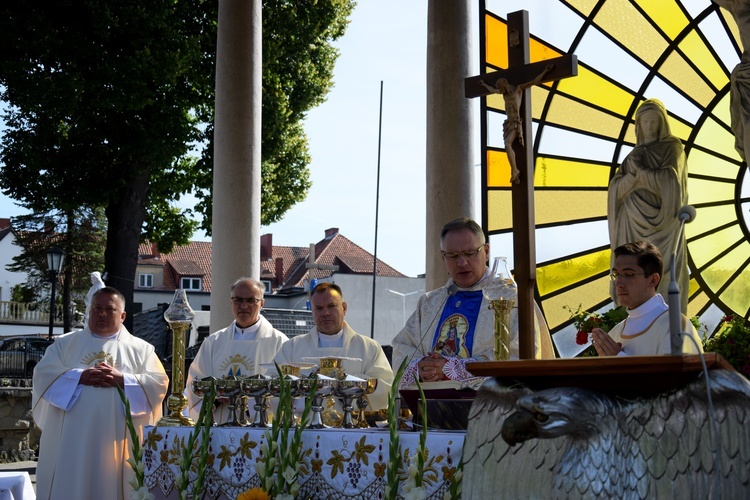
34	313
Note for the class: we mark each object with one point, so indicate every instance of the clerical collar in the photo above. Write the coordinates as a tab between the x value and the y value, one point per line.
247	333
639	318
335	340
107	337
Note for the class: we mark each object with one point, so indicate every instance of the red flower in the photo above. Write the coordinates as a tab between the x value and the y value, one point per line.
728	318
582	337
730	341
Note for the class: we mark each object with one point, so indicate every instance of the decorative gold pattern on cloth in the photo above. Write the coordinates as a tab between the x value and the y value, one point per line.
237	365
98	357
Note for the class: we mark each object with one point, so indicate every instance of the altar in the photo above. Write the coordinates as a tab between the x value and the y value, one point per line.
336	463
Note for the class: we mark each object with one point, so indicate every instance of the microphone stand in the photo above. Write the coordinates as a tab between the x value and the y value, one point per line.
673	292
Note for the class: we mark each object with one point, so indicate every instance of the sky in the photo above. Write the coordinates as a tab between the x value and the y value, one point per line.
385	42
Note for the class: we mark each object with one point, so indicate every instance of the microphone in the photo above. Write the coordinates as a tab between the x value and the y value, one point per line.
685	215
452	289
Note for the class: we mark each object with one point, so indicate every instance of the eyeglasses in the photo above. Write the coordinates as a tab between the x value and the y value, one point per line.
627	275
246	300
468	254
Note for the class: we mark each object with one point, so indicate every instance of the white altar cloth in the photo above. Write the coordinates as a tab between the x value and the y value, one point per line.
336	463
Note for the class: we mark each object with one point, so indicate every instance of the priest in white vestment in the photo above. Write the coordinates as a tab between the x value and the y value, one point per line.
333	337
645	332
238	350
85	441
453	325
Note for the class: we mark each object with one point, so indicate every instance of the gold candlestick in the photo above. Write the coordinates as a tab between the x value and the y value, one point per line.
178	315
502	308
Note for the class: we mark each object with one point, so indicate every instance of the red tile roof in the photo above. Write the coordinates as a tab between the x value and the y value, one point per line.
194	260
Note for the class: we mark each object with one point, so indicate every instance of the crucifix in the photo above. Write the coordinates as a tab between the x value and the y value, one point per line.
514	84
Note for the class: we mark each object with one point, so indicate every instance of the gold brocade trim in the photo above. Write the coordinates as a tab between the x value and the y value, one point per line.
98	357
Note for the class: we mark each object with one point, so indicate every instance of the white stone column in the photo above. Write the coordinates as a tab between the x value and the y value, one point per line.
237	164
450	171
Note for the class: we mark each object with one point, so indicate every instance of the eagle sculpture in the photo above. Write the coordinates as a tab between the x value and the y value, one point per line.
576	443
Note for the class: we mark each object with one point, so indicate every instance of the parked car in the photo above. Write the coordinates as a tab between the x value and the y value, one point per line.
19	355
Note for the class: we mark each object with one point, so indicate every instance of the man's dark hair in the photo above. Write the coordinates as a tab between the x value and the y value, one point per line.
327	286
463	223
647	256
109	290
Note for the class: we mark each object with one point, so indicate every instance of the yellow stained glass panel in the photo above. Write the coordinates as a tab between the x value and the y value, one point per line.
697	52
737	293
714	137
579	116
729	19
703	191
553	277
588	86
695	305
554	172
667	15
702	163
499	211
680	129
498	169
722	110
709	218
583	6
587	296
622	21
541	52
496	42
704	249
676	69
561	206
720	272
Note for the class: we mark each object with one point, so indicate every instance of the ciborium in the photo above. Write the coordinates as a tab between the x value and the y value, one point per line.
179	315
501	294
363	402
324	388
258	387
229	387
348	389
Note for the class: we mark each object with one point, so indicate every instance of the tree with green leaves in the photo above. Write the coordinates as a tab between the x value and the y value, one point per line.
80	234
107	102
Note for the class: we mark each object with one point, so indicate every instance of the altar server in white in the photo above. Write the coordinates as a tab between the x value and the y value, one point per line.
238	350
636	275
85	442
332	336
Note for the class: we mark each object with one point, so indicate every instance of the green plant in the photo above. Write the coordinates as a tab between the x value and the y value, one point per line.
732	342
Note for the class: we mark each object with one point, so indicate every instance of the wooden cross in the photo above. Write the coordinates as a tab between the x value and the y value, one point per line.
520	76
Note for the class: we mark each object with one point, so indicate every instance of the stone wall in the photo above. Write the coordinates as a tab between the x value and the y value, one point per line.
19	437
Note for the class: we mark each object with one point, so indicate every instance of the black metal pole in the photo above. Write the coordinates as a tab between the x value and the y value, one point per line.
53	276
377	202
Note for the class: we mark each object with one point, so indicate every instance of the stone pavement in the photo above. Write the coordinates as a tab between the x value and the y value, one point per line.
28	466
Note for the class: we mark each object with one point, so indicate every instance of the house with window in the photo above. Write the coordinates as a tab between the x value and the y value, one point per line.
287	272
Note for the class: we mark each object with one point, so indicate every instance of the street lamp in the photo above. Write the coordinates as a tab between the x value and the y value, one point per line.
55	259
403	299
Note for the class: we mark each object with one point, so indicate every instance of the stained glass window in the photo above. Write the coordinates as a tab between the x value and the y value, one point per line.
678	51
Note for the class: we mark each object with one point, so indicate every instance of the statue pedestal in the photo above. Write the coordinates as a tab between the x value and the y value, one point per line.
615	427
